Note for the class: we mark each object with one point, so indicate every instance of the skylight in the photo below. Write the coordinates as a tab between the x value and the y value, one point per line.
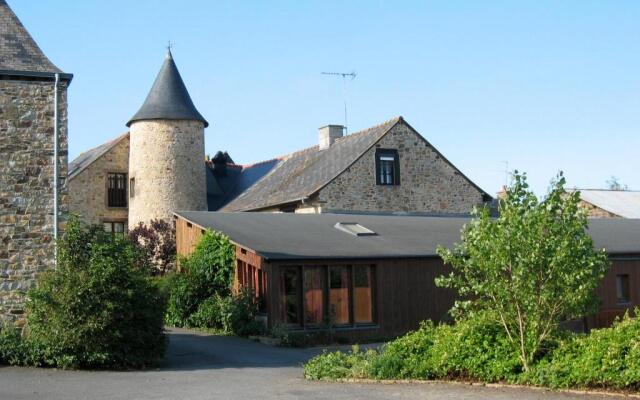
354	228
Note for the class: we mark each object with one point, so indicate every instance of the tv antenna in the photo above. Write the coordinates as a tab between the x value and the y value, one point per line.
344	76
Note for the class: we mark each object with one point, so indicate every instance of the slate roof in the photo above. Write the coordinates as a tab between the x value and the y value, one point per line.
282	236
88	157
301	174
19	53
168	97
623	203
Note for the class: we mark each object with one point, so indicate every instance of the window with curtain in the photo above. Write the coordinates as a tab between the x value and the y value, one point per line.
387	167
339	286
362	294
314	283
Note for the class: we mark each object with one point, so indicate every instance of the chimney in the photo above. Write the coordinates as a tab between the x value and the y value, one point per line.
328	134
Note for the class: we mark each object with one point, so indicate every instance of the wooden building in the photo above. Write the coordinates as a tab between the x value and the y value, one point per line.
373	275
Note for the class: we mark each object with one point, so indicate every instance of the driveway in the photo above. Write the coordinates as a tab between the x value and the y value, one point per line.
200	366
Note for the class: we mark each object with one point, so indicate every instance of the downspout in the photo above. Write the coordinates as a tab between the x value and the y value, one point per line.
55	170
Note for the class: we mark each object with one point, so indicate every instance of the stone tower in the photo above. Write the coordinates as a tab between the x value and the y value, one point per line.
166	153
31	198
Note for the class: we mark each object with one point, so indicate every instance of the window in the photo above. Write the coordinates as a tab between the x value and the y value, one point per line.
354	228
622	289
314	283
290	295
339	304
132	187
116	190
341	294
115	227
362	294
387	167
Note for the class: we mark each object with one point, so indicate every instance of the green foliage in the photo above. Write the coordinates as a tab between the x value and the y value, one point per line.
533	266
238	314
339	365
209	313
208	271
97	309
608	358
474	348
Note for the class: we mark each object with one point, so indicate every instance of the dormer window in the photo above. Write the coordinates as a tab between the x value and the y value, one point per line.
387	167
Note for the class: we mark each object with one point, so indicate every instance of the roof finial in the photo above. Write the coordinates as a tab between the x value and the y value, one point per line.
169	46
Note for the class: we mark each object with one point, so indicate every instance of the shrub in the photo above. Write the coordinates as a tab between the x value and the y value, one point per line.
157	242
339	365
209	314
608	357
473	348
206	272
239	313
97	309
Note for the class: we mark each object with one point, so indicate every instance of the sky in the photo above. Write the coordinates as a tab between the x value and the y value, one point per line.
537	86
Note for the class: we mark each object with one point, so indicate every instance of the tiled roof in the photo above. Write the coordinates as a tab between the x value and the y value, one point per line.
18	51
88	157
623	203
301	174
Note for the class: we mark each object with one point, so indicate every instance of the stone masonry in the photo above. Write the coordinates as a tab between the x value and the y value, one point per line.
88	189
26	186
166	160
428	183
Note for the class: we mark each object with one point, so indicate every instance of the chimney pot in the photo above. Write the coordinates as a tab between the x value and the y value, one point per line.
328	134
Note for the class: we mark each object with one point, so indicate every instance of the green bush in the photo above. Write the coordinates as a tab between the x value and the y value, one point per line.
473	348
339	365
239	313
206	272
209	314
608	358
96	310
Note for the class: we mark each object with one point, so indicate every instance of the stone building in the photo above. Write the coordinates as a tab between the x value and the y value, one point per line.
151	171
601	203
30	86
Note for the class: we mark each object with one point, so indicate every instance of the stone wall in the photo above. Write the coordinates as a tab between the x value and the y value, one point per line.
88	189
166	159
428	183
26	190
596	212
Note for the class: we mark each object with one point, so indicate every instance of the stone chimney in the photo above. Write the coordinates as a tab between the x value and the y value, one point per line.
328	134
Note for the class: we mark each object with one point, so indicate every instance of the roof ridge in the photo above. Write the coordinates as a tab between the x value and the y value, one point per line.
108	145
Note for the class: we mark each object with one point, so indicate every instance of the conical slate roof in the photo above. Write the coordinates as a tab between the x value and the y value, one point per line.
168	97
18	51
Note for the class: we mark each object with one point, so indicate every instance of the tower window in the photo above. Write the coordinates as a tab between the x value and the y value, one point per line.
132	187
116	190
387	167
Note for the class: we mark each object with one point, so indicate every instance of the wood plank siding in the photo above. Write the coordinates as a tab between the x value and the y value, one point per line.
404	295
607	291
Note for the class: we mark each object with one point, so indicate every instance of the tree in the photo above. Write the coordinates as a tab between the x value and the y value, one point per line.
97	309
614	184
532	267
158	243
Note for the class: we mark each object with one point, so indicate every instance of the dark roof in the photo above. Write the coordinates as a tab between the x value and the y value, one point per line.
221	189
19	53
301	174
281	236
87	158
168	97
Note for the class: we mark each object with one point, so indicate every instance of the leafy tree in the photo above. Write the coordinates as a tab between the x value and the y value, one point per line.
206	272
157	242
97	309
533	266
614	184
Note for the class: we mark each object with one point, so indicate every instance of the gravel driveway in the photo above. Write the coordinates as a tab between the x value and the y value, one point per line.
200	366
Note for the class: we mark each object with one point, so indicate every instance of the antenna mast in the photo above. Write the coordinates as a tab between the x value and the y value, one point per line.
344	76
